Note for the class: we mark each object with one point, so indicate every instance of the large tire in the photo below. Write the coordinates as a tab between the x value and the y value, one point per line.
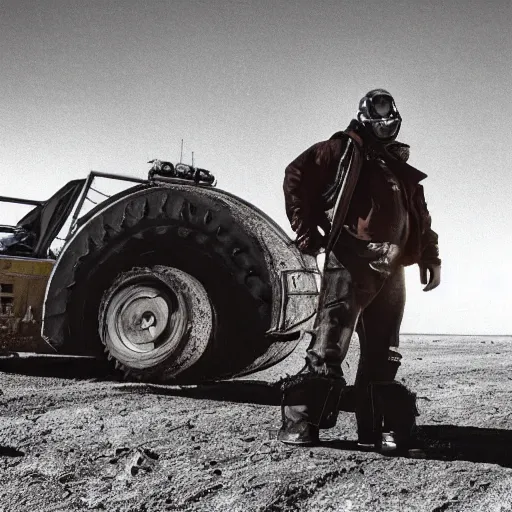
155	322
186	231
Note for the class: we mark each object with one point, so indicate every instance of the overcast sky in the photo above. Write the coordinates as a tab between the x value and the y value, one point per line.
249	85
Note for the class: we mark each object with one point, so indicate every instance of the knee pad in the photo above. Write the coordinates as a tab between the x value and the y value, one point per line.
388	370
393	363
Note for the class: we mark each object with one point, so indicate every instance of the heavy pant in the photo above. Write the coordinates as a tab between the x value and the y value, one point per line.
353	294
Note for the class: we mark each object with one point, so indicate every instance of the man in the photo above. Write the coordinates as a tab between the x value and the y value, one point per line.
356	196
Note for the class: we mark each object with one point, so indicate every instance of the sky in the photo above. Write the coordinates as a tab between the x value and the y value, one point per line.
248	85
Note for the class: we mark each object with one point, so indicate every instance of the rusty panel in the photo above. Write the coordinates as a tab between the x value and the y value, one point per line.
22	289
299	298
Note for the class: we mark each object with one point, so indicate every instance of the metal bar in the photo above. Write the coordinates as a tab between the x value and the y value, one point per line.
31	202
81	201
120	177
179	181
88	185
99	192
90	200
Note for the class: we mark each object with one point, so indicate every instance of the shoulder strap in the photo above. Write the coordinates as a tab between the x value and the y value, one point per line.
355	137
346	190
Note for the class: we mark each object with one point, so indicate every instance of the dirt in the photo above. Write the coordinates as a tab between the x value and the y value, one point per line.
72	439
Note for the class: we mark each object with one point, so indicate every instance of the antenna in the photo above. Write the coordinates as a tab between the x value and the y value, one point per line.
181	154
192	159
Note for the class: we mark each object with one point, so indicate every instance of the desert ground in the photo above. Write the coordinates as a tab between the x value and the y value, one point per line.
73	439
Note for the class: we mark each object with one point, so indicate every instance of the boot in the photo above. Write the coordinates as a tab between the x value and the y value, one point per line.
374	426
368	418
310	402
398	405
297	428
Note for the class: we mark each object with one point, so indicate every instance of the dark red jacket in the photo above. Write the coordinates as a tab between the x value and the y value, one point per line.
311	177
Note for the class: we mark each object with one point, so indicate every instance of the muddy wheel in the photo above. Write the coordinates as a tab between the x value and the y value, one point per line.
176	240
155	321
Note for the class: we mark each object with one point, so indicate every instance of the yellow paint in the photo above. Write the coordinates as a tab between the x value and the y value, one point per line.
18	267
21	307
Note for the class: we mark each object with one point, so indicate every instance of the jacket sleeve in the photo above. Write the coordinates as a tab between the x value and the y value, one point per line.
298	207
429	238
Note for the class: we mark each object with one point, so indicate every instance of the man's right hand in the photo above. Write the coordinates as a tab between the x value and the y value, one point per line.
310	242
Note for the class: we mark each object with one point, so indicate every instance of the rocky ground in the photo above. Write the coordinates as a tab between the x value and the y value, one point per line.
73	440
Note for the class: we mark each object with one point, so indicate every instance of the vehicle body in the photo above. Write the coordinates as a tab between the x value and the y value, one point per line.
169	279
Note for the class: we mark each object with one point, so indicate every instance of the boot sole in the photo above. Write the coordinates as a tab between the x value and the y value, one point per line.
388	448
366	446
298	442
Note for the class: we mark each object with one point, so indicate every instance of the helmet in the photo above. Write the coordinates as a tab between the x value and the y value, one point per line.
378	114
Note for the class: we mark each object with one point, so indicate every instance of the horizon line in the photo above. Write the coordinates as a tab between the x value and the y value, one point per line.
450	334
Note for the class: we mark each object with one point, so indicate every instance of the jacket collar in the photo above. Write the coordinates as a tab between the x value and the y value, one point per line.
408	172
404	170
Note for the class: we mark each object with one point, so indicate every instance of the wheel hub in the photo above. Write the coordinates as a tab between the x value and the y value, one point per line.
148	320
157	320
142	315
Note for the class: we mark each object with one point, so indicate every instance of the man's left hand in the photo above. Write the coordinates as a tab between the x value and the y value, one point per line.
430	275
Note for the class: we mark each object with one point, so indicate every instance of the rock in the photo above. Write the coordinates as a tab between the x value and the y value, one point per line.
139	461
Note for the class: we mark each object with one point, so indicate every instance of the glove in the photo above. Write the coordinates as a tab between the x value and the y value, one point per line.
430	275
385	254
310	242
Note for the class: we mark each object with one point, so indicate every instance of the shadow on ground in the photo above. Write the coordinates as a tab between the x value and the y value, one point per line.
65	367
8	451
451	442
439	442
242	391
473	444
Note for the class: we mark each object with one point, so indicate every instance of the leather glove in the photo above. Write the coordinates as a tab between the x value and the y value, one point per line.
385	254
310	242
430	275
